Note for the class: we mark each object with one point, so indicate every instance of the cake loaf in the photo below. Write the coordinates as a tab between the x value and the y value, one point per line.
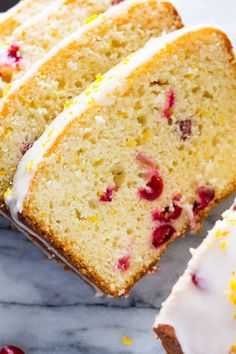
40	96
31	41
19	14
200	314
140	156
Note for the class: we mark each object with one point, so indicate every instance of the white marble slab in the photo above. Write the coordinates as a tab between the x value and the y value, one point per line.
45	310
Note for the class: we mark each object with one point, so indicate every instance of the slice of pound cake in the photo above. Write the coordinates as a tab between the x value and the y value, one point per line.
19	14
68	69
29	42
200	314
140	156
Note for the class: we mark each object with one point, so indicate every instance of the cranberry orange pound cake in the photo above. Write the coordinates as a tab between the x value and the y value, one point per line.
29	42
142	154
201	309
19	14
69	68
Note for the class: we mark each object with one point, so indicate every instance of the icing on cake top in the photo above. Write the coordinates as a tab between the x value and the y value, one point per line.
202	305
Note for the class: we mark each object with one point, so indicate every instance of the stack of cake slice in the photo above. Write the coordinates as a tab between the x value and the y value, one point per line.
133	162
128	164
29	43
201	310
35	100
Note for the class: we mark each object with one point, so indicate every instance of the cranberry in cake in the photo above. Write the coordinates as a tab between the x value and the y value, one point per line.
36	99
112	182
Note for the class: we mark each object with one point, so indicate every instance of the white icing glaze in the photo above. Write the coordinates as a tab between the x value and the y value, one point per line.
53	6
78	36
101	92
203	318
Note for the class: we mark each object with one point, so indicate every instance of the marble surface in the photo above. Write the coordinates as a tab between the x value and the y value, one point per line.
44	309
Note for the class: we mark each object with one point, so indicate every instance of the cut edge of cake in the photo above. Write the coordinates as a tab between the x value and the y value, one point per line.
168	339
15	199
28	44
83	30
15	91
83	102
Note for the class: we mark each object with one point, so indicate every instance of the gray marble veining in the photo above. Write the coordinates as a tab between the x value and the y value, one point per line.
45	310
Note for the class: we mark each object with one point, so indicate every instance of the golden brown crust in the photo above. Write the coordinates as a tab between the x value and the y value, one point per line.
52	239
82	268
87	272
168	339
178	20
39	228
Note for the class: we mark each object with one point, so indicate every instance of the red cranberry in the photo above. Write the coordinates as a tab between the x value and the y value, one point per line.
153	270
196	281
205	195
123	263
25	147
162	234
153	190
168	214
185	127
116	2
170	102
107	196
10	349
234	207
14	53
176	197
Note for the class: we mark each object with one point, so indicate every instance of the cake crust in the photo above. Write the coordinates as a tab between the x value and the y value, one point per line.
82	269
168	339
38	226
54	251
